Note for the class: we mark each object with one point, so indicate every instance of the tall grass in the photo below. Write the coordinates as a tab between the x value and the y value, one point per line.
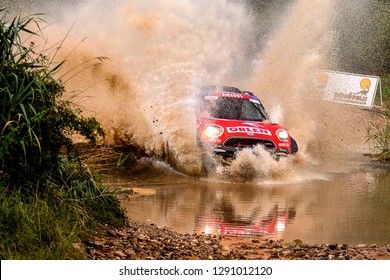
378	135
385	82
49	201
36	228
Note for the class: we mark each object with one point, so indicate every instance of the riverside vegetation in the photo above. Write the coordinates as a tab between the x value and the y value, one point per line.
379	134
49	200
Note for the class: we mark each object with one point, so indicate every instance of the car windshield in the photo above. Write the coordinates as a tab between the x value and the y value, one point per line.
234	109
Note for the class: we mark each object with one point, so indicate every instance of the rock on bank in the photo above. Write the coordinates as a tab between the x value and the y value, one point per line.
139	241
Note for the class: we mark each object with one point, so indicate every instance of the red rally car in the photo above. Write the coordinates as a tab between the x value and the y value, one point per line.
229	120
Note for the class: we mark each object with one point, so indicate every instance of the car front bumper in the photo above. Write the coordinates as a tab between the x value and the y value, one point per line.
231	153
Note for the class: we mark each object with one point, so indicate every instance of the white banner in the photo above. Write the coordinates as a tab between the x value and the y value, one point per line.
354	89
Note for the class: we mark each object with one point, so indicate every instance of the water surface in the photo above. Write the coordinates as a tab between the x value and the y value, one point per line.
352	207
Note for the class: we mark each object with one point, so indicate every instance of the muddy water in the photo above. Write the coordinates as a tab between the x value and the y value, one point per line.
350	207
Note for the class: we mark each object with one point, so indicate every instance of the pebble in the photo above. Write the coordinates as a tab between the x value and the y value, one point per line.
119	254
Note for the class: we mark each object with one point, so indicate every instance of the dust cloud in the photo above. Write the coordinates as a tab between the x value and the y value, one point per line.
135	66
158	53
329	135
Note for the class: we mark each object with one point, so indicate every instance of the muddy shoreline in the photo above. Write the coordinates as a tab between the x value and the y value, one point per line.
140	241
143	241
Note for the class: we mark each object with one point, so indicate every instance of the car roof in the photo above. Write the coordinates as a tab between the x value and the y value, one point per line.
227	94
212	88
226	91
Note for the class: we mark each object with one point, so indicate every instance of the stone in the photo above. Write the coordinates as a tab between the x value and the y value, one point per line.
119	254
130	252
76	246
141	237
298	241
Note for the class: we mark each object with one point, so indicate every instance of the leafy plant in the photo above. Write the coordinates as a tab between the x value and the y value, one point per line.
48	198
379	137
34	124
385	82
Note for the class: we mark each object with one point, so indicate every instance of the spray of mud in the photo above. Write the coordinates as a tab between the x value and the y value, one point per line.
159	52
294	53
329	135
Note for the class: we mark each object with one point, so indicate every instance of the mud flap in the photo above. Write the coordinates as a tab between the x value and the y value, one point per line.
294	146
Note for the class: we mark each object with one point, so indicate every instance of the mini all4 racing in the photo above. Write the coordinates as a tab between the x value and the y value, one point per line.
229	120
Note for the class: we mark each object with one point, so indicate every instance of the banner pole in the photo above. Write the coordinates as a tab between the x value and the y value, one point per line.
380	91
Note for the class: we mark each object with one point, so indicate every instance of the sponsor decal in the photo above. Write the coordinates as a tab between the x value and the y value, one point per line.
211	97
254	101
232	95
249	130
215	140
351	97
286	145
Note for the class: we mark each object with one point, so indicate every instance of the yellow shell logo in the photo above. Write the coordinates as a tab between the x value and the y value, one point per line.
323	79
365	84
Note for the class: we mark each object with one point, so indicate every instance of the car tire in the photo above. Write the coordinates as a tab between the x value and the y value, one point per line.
294	146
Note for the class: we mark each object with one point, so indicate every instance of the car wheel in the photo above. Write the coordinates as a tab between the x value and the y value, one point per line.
294	146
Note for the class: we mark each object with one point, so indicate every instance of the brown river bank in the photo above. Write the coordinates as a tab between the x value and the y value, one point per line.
141	241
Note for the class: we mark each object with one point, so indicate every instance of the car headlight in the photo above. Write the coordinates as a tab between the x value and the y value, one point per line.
282	135
213	131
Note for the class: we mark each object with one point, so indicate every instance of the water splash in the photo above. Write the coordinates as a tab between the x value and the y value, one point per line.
328	135
297	49
160	51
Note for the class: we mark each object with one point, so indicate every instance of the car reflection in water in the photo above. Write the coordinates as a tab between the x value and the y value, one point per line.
223	221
